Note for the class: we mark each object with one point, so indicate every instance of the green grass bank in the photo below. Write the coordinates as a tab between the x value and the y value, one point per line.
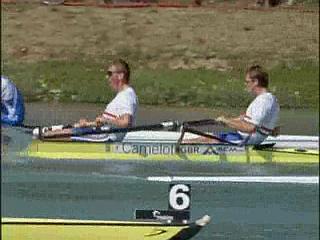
296	86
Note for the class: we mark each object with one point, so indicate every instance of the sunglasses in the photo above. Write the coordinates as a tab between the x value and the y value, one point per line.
109	73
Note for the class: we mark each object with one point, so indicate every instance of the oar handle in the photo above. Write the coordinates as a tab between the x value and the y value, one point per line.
38	131
87	124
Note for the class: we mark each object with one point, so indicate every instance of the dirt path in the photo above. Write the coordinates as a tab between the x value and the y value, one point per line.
220	37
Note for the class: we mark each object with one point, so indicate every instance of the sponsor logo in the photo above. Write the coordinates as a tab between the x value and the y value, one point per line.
210	151
216	150
145	149
155	149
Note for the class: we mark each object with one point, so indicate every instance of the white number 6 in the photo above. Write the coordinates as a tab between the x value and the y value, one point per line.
179	198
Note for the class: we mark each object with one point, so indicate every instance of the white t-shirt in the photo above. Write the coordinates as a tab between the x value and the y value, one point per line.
125	102
263	112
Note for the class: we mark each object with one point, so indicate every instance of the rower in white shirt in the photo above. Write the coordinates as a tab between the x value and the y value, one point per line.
261	117
120	112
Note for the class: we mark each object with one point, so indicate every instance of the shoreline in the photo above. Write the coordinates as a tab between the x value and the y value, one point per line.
296	86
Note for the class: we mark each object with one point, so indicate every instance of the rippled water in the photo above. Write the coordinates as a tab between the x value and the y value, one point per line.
112	190
238	210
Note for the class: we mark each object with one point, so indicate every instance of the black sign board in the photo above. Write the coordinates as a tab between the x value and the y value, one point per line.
163	215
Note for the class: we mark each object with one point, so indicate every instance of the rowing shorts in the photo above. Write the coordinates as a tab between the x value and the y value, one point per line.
91	135
83	131
231	136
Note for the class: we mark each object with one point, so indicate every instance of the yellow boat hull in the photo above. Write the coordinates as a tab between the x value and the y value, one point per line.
211	153
57	229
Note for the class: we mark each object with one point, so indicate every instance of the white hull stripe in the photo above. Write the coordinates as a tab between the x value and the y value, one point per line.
238	179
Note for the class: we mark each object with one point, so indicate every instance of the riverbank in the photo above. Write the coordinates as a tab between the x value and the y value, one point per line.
295	86
179	57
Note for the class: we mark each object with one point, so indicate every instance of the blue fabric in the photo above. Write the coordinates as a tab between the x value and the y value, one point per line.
230	136
12	110
83	131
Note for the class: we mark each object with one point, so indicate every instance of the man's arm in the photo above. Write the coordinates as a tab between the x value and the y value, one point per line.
238	124
123	121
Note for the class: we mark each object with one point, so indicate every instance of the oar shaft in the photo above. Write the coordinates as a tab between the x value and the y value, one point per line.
27	126
66	131
159	126
207	135
203	122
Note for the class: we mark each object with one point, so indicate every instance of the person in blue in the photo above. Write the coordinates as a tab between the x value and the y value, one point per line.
12	104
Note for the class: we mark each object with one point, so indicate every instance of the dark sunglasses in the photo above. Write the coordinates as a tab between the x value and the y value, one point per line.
109	73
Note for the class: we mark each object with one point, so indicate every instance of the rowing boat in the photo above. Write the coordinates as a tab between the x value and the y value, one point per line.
54	229
162	146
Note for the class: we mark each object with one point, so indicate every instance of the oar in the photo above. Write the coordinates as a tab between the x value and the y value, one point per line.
26	126
203	122
38	131
207	135
28	129
97	130
195	123
49	128
152	127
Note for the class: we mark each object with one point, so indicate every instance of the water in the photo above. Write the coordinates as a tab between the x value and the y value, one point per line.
112	190
238	210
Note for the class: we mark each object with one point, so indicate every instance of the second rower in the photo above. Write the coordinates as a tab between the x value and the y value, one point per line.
261	116
260	119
